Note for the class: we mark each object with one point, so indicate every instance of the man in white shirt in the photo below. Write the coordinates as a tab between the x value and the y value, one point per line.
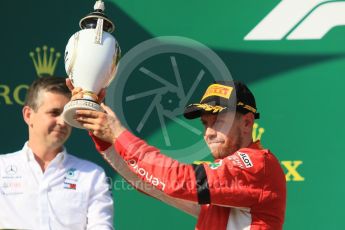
42	187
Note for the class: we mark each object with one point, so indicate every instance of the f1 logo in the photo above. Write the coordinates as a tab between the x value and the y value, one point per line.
299	20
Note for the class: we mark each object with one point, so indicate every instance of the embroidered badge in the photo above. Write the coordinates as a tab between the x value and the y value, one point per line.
215	165
71	179
246	159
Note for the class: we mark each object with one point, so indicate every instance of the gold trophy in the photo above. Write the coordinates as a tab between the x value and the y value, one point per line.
91	59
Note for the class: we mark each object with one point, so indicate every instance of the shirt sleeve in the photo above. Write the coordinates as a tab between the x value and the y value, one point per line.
236	180
100	209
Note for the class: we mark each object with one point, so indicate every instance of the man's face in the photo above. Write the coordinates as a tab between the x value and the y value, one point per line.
46	126
222	133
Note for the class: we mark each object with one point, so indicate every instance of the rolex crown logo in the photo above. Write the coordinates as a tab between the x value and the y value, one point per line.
45	63
257	132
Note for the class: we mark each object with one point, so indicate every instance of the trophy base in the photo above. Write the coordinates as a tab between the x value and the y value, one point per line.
79	104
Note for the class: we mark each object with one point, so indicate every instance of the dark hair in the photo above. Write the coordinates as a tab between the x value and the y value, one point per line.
47	84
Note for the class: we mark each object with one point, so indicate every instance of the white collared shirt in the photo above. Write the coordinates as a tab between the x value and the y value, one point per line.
71	194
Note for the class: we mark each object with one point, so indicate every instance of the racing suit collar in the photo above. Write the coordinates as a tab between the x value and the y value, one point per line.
256	145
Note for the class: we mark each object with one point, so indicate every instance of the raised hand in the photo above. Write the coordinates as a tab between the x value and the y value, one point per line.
77	93
106	126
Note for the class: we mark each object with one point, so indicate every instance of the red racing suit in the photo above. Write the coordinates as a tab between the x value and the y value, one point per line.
246	190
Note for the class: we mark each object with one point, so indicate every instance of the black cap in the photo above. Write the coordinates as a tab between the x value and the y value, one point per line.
220	97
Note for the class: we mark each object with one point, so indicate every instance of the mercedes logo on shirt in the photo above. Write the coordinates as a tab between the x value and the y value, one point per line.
11	170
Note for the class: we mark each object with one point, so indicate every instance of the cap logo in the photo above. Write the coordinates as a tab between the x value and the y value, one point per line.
247	107
218	90
210	108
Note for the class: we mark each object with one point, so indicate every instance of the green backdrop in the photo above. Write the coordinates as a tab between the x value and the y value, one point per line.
291	54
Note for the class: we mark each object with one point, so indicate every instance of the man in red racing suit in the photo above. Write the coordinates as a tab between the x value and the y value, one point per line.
244	188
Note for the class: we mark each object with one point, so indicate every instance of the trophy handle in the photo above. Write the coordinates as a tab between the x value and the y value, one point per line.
116	59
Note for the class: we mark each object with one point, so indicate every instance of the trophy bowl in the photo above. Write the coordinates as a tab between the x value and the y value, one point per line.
91	59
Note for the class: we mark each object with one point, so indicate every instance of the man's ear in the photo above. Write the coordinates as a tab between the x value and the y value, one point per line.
27	112
248	122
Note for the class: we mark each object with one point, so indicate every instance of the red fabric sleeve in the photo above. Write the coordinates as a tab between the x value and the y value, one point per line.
170	176
99	144
236	180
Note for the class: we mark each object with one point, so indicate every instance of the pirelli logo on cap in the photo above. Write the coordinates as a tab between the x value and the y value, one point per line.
218	90
246	159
